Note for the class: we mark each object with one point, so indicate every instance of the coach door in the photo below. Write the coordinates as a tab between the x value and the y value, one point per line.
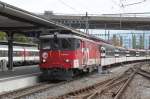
103	54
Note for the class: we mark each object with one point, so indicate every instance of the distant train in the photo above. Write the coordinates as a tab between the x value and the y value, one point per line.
22	55
65	55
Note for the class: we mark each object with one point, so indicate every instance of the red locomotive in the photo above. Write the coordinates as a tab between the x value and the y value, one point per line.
65	55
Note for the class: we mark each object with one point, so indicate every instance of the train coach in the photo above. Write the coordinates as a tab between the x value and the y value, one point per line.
22	55
65	55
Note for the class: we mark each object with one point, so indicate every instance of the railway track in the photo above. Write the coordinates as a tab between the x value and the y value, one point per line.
26	91
109	89
116	84
38	88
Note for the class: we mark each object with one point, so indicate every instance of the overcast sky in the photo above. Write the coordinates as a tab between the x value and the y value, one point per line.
81	6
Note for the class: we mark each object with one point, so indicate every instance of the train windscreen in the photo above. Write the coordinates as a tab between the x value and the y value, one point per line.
59	44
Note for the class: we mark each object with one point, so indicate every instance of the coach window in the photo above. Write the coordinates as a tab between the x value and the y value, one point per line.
116	51
0	53
14	53
142	53
4	53
121	52
36	53
133	53
103	50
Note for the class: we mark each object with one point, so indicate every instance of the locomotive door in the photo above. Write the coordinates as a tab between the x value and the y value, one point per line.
85	54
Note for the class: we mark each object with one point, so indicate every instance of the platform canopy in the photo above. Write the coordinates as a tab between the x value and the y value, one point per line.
15	19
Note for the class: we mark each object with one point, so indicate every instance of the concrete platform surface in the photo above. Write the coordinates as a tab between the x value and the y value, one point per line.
19	71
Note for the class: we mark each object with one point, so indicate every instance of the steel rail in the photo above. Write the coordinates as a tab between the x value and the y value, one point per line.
125	86
22	91
89	89
106	87
36	88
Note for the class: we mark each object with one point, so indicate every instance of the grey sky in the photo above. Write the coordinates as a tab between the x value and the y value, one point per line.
80	6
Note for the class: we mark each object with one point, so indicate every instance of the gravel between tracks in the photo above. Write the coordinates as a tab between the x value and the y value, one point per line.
87	81
139	88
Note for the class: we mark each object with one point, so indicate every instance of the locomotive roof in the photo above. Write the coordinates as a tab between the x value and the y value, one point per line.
66	36
64	32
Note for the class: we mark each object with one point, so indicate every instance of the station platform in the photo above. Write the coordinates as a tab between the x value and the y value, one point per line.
19	71
20	77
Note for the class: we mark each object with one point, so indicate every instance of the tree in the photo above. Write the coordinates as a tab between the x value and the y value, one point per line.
121	41
141	46
133	41
143	40
21	38
115	40
2	36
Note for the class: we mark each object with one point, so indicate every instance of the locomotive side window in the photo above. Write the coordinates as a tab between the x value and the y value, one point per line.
77	45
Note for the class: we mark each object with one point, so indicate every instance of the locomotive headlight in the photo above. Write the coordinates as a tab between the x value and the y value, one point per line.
44	60
67	60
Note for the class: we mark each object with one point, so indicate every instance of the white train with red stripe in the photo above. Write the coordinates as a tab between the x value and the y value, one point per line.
22	55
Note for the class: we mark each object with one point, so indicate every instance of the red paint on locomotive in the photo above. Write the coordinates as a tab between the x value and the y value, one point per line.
87	54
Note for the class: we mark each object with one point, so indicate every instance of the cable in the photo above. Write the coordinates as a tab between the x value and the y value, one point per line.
115	2
61	1
134	3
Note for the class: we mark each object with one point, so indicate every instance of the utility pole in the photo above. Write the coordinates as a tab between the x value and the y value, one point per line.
121	7
108	35
149	42
105	31
87	24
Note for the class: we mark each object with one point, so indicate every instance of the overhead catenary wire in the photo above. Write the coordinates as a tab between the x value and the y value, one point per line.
135	3
67	5
115	2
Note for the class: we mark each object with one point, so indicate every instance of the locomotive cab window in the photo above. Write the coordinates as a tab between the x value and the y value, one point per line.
60	44
66	43
45	44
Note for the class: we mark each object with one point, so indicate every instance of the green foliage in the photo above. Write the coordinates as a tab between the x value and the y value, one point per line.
121	41
21	38
115	40
2	36
141	46
133	41
18	37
